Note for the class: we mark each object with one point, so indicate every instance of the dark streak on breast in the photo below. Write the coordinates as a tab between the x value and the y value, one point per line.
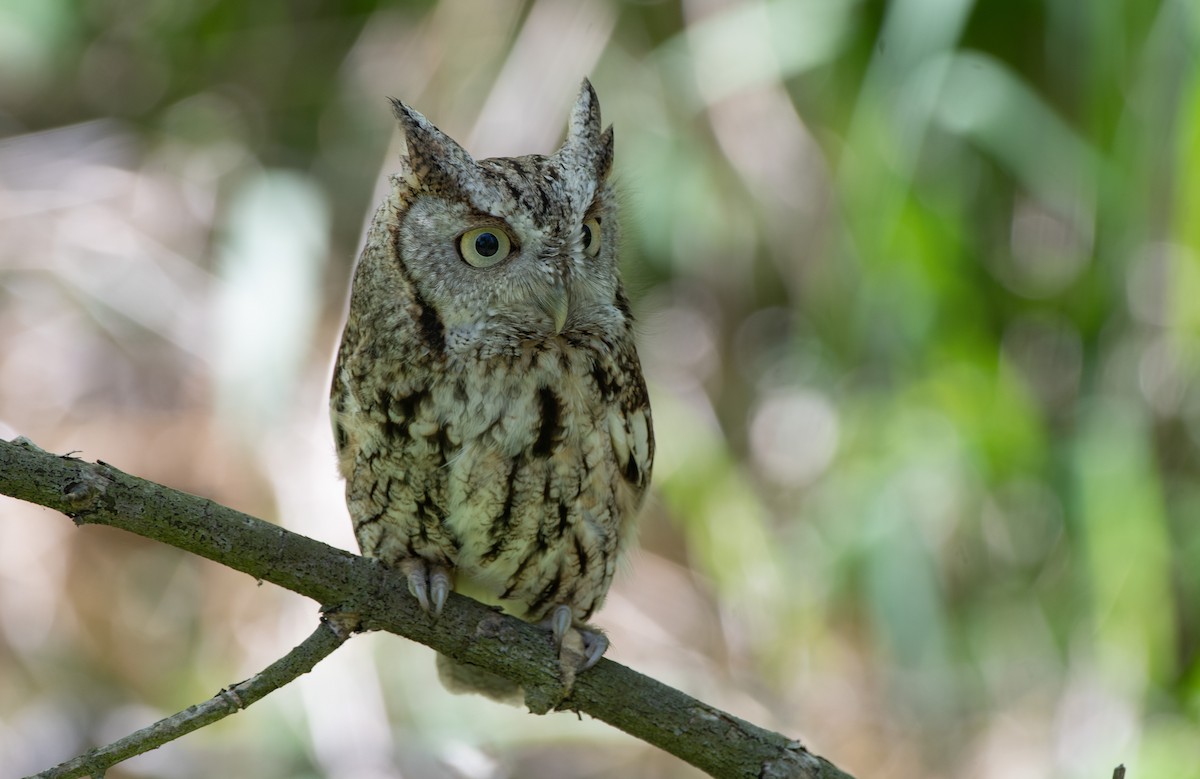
516	579
446	448
498	531
547	594
422	522
429	515
581	553
371	520
563	524
604	381
383	483
551	425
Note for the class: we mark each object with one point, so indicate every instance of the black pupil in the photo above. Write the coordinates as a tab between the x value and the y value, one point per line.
487	244
587	236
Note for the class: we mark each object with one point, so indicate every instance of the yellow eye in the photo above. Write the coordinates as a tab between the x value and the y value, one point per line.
483	247
591	237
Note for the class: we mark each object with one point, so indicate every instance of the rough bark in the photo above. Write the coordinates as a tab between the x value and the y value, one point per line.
710	739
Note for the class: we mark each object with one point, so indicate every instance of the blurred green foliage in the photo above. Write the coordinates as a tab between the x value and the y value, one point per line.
920	284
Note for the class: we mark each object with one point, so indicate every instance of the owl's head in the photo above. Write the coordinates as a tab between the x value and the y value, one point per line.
510	249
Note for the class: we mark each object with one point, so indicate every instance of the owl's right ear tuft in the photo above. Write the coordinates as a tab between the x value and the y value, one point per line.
433	160
586	146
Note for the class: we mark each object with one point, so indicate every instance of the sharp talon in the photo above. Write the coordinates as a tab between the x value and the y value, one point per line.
594	646
418	587
429	583
439	585
560	622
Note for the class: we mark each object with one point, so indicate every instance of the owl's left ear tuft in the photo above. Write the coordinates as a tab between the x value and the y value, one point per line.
586	145
433	160
584	123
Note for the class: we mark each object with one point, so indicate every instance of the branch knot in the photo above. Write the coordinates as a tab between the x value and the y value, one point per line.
83	492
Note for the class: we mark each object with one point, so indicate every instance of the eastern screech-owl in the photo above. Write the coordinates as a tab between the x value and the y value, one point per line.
489	409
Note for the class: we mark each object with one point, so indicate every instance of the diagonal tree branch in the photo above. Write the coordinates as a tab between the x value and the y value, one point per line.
467	631
329	635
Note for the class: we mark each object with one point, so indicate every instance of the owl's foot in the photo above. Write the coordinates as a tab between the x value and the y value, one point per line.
429	582
579	647
593	643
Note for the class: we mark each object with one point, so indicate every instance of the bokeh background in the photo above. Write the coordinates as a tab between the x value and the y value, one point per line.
919	293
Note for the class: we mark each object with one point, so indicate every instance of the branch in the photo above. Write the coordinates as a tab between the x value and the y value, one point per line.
467	631
329	635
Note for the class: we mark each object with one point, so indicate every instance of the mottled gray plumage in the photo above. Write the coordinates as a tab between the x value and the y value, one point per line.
489	409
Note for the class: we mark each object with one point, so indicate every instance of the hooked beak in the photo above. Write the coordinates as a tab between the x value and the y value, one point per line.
557	304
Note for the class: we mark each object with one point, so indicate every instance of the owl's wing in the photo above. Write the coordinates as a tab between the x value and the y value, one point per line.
629	422
390	448
390	348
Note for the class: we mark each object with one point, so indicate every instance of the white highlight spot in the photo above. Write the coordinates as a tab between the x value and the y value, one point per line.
794	437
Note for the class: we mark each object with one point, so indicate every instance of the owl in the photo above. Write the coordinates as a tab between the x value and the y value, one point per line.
488	405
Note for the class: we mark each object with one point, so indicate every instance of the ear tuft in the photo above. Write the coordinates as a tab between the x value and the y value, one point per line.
586	146
585	116
433	159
